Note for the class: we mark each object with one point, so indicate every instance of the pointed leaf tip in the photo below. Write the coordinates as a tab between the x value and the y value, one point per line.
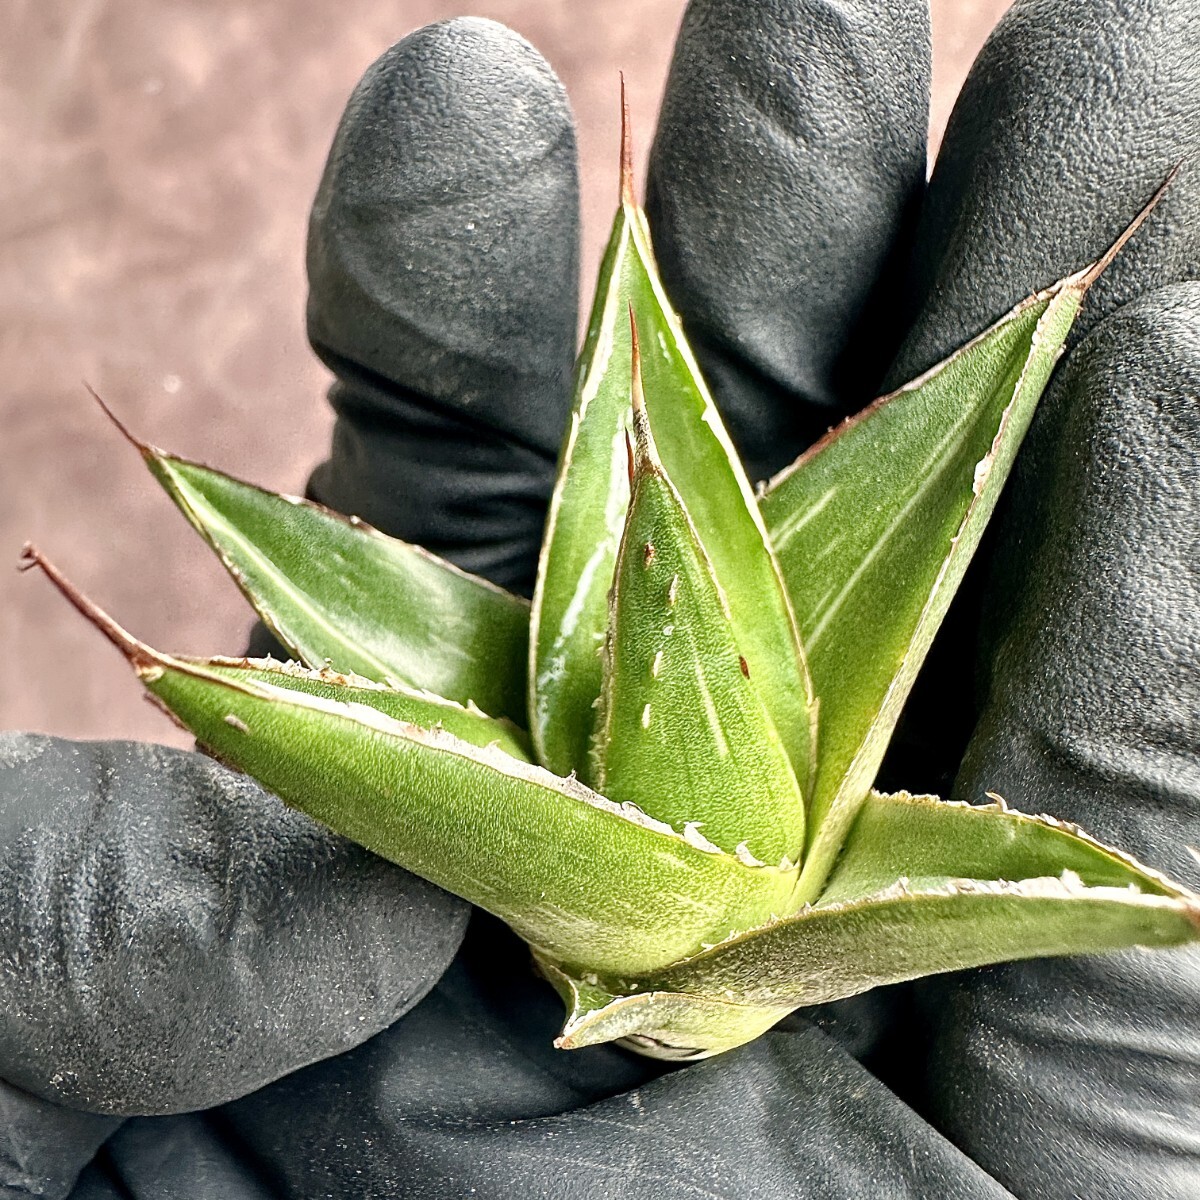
140	657
627	197
1088	276
141	447
691	445
332	588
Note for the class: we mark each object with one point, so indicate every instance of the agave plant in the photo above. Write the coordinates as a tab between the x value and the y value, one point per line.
660	773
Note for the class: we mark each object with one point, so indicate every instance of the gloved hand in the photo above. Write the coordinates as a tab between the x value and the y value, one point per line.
167	944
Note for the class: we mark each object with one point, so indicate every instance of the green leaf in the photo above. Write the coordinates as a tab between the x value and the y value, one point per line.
875	525
699	457
899	907
666	1025
584	880
335	590
922	838
684	732
874	528
400	704
570	608
583	527
832	952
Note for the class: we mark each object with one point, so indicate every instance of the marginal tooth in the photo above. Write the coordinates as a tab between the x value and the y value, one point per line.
983	469
693	836
742	851
998	800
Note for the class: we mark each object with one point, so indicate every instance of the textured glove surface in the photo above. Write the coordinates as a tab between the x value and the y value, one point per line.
1093	711
183	937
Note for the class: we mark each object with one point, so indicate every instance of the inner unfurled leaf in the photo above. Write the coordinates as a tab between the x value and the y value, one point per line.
683	730
584	525
874	528
699	457
335	590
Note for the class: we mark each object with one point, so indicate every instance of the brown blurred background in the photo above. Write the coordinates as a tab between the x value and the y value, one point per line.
158	164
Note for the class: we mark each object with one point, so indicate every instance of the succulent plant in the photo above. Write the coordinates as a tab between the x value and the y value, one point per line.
660	772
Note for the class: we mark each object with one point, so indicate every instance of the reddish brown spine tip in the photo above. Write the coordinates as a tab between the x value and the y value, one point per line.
626	190
1088	277
139	655
121	427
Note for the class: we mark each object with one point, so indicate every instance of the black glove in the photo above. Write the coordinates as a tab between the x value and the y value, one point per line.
783	186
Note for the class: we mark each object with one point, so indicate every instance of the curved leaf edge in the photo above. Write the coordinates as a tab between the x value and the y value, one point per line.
675	1015
644	248
990	474
178	477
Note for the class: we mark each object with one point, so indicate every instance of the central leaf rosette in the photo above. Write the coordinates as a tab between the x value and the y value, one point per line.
660	774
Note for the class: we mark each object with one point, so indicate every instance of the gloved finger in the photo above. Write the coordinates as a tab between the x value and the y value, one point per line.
160	1158
467	1097
1082	1078
174	936
443	273
1073	114
784	177
43	1147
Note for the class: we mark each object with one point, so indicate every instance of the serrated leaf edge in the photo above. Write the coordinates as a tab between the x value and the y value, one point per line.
161	463
644	247
588	387
901	681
